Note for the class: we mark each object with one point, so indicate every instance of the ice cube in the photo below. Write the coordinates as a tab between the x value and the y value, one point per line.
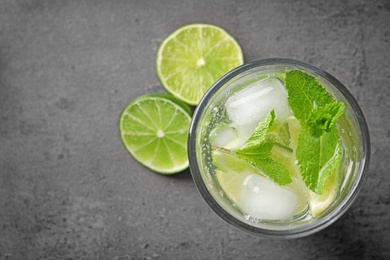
224	136
299	187
247	107
244	131
265	200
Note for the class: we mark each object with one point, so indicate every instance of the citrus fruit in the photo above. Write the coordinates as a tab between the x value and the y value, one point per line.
195	56
231	172
319	203
154	130
231	184
285	136
227	162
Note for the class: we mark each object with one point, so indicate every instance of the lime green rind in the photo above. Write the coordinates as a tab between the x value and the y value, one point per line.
140	138
175	100
319	204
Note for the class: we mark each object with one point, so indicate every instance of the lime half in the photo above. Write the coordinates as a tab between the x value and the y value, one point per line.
193	58
154	129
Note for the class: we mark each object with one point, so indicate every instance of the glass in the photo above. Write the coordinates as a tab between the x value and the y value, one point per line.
352	129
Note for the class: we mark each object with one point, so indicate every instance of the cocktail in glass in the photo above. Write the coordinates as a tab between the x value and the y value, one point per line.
227	121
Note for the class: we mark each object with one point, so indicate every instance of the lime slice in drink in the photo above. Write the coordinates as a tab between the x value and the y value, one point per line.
231	172
282	134
295	130
231	184
228	162
193	57
258	196
154	130
319	203
233	176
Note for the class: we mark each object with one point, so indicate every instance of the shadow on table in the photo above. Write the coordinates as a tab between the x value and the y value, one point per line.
351	237
184	176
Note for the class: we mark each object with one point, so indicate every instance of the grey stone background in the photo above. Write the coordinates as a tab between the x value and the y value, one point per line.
69	190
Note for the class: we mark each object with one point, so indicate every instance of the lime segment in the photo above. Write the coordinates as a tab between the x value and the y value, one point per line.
319	203
154	130
195	56
231	184
227	162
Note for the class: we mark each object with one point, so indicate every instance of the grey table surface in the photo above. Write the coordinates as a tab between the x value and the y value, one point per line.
68	188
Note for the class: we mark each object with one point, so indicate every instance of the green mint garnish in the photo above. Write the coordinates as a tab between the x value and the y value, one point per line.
257	151
318	157
259	136
318	151
305	94
323	120
279	134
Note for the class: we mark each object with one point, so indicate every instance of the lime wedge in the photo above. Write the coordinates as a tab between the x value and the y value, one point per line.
231	184
154	129
193	58
295	130
231	172
225	161
285	136
319	203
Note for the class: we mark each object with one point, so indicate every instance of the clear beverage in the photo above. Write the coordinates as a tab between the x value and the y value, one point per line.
236	189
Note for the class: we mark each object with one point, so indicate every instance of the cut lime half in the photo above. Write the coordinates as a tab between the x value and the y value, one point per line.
193	58
154	129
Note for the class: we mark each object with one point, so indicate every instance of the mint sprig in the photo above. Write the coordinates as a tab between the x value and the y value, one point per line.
259	136
312	105
318	151
323	120
305	94
257	151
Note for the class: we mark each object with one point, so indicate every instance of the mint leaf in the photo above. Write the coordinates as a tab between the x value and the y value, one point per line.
262	151
274	170
279	134
318	150
318	157
226	161
257	151
305	94
322	120
259	135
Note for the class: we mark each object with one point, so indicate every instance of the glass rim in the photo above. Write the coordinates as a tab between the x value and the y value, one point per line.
303	230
